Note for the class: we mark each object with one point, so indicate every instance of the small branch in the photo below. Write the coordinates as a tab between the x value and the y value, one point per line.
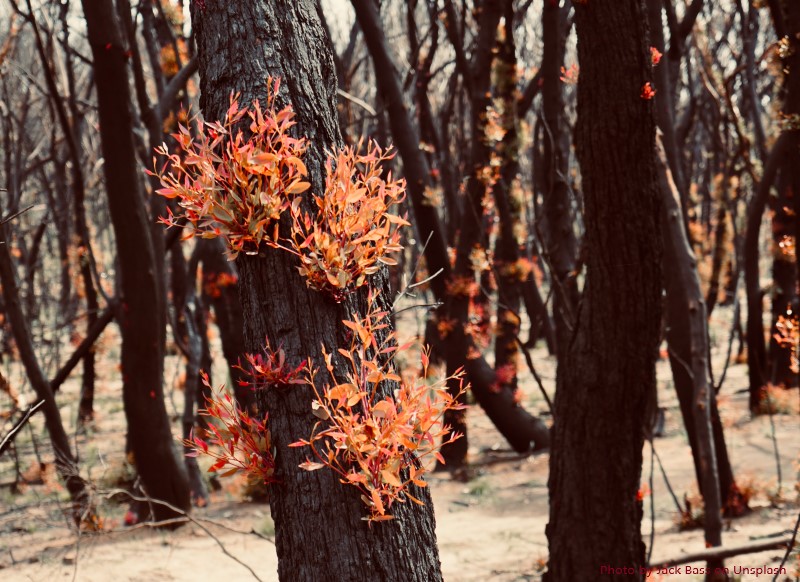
534	373
188	518
12	434
92	334
13	216
360	102
666	480
178	82
720	553
788	548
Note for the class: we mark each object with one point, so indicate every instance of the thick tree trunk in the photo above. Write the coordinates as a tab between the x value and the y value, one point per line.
141	315
319	531
607	376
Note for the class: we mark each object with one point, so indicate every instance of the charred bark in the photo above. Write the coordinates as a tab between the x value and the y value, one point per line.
142	313
319	531
607	376
688	344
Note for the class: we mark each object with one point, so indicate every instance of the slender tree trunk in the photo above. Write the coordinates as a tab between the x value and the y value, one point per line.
665	108
785	222
319	531
66	464
560	240
685	301
221	291
756	347
607	376
509	209
142	309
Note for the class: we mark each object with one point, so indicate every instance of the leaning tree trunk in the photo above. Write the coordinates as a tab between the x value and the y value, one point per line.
65	462
319	531
607	376
141	315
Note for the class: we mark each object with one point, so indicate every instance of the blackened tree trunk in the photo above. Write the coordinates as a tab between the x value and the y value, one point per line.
221	291
756	347
607	376
560	240
319	531
688	344
66	464
509	210
785	221
141	315
472	236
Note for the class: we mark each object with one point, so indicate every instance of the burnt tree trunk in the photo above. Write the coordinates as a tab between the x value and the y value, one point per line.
560	241
607	376
319	531
509	209
141	315
65	462
221	291
688	346
756	346
785	221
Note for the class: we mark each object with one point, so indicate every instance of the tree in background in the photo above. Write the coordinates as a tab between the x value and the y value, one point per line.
607	376
142	311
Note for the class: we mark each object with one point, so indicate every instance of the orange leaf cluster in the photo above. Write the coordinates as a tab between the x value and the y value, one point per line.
239	188
655	56
353	231
375	427
241	443
231	186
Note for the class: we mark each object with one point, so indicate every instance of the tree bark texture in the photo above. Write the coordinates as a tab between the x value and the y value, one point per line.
785	222
607	376
320	534
141	314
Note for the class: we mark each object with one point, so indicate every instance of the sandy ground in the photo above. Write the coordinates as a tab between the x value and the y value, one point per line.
490	527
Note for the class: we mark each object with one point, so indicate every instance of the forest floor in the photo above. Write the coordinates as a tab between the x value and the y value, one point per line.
490	521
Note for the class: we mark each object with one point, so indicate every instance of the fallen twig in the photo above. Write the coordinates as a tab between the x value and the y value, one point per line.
720	553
